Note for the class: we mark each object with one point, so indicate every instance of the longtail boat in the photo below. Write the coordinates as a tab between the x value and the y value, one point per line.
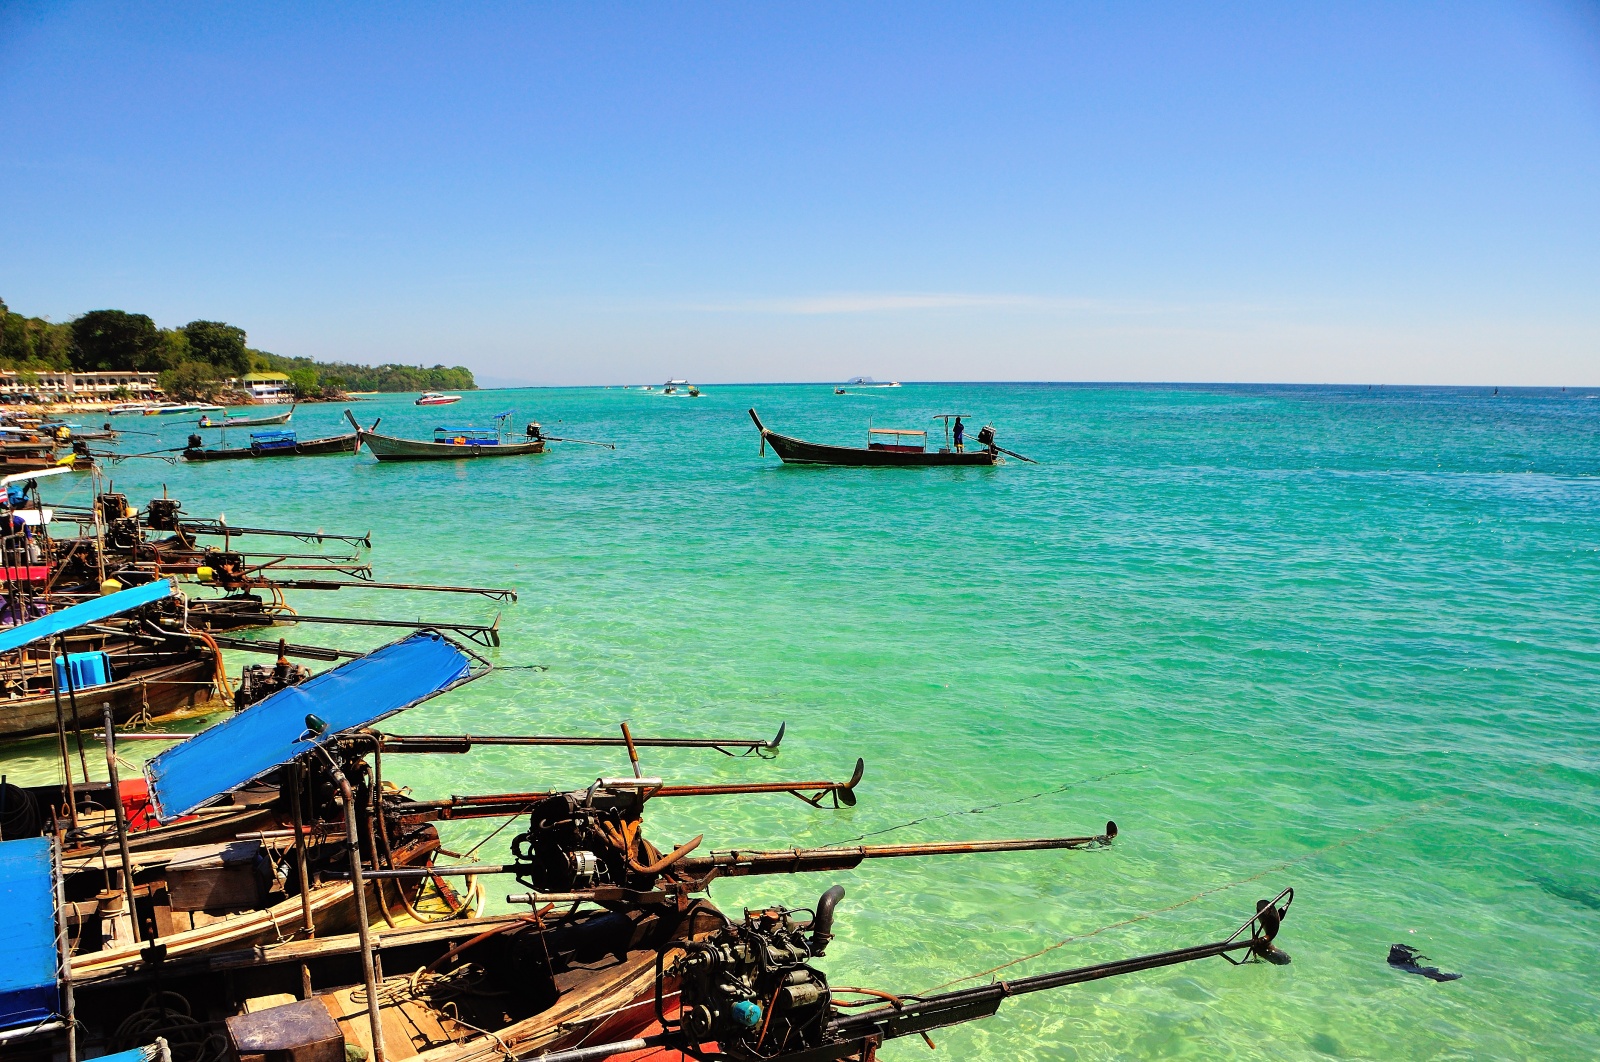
131	671
248	422
272	444
450	443
885	447
753	989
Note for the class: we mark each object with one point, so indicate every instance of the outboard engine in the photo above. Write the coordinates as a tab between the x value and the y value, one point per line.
164	514
112	507
986	436
263	680
534	431
195	442
751	986
584	839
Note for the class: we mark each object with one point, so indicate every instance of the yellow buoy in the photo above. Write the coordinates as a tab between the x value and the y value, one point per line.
204	574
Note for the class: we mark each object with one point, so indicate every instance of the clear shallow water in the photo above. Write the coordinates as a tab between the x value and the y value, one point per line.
1356	630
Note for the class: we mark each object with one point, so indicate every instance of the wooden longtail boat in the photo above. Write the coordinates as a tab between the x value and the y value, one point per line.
153	691
248	422
880	450
448	444
751	991
291	447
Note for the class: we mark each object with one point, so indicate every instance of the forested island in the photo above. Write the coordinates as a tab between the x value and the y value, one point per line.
196	360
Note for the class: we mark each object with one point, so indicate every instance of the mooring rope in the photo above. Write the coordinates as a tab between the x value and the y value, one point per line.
1360	835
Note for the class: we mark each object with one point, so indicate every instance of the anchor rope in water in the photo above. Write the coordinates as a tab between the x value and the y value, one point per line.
983	808
1360	835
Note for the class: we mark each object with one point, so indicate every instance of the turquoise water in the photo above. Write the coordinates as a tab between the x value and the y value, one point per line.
1343	640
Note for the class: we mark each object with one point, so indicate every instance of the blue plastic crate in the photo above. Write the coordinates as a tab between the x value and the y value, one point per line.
88	669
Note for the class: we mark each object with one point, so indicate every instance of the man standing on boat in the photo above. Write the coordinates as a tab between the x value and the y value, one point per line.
960	436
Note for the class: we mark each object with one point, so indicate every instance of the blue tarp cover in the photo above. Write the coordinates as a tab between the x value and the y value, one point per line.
88	612
267	733
28	946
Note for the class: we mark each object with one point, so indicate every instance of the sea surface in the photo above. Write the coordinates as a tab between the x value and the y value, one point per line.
1343	640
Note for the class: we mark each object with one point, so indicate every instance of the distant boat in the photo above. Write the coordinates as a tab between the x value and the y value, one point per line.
885	446
434	398
248	422
681	388
276	443
449	443
867	381
166	409
122	409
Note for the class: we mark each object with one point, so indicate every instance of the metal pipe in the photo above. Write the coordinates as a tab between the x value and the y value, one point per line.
61	735
64	950
359	890
596	1052
493	592
297	778
408	743
484	635
72	698
121	820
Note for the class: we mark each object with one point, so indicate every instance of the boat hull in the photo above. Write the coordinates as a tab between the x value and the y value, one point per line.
388	448
162	691
799	452
337	444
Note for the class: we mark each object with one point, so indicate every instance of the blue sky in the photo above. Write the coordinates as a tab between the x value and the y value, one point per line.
1401	193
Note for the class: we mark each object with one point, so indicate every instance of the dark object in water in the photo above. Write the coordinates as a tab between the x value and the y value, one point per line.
1404	957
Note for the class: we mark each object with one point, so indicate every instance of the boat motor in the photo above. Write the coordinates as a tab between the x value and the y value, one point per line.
262	680
586	838
751	986
196	443
164	514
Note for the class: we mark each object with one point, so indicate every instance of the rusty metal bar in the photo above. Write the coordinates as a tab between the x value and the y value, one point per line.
465	742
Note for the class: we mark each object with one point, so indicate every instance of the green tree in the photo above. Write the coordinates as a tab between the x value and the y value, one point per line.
111	340
32	341
220	344
191	381
304	382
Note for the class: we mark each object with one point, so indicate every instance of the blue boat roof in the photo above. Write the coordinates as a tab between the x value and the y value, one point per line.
276	433
28	947
468	431
272	731
93	611
138	1054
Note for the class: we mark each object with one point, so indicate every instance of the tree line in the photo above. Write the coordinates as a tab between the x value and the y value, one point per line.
195	359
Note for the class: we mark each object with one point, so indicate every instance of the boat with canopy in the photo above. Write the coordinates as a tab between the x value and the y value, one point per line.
885	446
451	442
281	442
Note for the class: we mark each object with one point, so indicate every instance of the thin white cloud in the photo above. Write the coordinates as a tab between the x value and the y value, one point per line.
910	302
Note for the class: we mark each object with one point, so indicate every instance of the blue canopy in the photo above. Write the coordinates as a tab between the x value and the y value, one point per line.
269	733
28	946
138	1054
88	612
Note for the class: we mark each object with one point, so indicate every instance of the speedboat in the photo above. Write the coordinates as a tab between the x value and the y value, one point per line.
680	388
126	408
867	381
434	398
164	409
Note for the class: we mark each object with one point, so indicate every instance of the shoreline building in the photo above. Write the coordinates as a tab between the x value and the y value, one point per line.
55	385
267	388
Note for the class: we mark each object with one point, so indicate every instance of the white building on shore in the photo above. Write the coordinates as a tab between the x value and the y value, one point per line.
52	385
